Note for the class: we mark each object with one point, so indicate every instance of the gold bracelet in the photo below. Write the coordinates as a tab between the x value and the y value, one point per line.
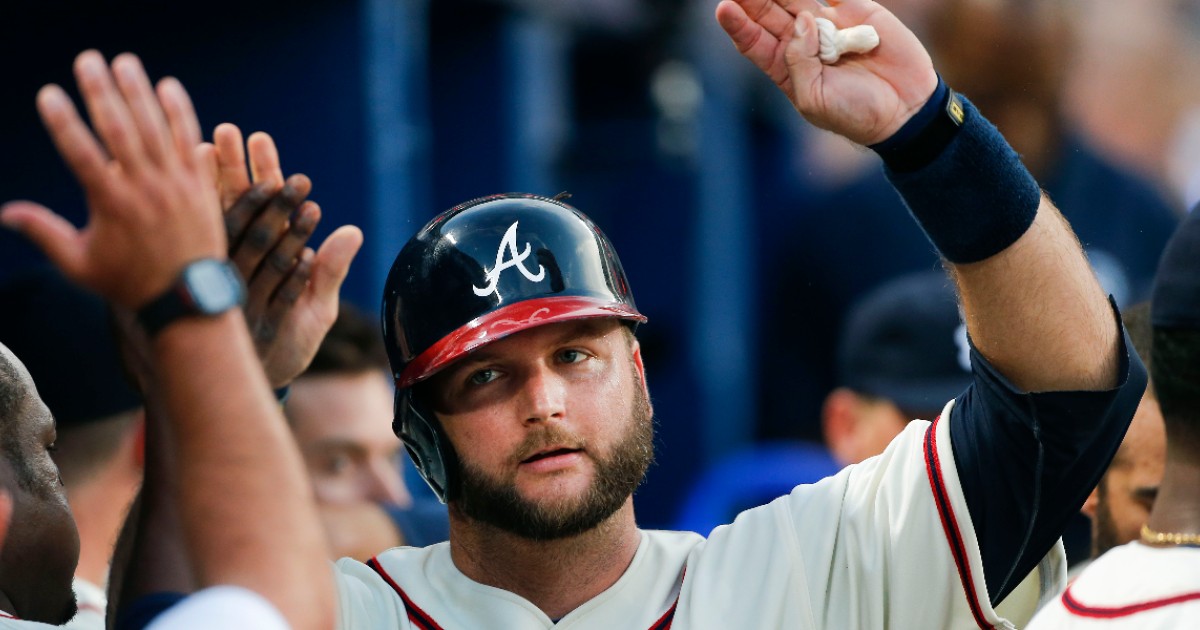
1164	538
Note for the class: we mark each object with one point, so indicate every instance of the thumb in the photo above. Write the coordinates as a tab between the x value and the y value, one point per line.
333	261
53	234
800	55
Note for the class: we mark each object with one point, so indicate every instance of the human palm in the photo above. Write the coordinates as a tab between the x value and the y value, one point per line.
865	98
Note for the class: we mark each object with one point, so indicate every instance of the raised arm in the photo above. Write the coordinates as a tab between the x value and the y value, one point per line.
1031	301
248	514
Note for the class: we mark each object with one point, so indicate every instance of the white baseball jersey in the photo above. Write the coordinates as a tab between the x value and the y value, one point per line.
1131	586
223	607
887	543
8	621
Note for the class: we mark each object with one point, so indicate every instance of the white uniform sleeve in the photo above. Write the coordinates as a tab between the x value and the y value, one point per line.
365	600
225	607
887	543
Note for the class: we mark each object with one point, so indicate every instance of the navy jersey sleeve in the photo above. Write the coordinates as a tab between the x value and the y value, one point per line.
1027	461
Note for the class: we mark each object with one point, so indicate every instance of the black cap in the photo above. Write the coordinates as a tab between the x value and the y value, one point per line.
1176	300
63	336
906	342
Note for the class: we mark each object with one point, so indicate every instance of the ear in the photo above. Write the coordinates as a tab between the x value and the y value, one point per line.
636	349
839	421
1093	502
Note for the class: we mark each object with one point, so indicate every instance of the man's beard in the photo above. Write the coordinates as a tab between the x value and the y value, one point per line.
487	500
1104	530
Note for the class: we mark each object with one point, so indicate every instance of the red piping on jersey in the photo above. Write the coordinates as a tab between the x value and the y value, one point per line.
8	616
1074	606
419	617
425	622
933	467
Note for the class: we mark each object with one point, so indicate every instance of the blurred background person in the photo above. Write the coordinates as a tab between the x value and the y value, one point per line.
1134	88
63	335
1123	499
340	412
902	355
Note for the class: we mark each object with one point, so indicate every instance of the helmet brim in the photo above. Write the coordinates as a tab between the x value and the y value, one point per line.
505	321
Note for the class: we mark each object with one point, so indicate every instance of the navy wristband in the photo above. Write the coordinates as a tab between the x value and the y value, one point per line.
974	197
926	134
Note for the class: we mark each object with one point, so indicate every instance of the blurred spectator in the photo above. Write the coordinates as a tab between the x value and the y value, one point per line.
903	355
63	336
1122	501
340	412
1134	88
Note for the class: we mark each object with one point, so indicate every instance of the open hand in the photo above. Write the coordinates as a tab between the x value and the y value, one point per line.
865	98
292	295
151	207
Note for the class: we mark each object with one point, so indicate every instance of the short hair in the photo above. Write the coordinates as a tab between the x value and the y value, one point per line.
1175	368
13	396
11	392
353	345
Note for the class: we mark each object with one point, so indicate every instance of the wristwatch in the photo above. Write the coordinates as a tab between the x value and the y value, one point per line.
207	287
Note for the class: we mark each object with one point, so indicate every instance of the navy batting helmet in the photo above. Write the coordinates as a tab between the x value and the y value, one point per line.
477	273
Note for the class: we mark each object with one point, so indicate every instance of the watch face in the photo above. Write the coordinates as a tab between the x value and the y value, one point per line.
213	285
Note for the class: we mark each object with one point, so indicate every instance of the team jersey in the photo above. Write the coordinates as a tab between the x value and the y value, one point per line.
8	622
225	607
1131	586
888	543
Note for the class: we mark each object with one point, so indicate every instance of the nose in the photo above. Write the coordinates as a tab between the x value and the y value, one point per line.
544	395
385	485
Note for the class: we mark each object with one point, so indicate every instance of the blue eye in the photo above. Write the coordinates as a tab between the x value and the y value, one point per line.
483	377
571	356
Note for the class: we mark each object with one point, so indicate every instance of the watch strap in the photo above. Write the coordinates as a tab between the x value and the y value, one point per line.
180	299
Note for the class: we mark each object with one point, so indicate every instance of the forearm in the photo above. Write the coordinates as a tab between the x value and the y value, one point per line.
228	429
1037	312
150	556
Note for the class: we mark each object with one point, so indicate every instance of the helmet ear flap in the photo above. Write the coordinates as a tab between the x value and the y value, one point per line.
426	444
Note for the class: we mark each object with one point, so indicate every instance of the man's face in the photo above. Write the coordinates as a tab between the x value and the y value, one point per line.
41	547
552	427
1121	503
342	423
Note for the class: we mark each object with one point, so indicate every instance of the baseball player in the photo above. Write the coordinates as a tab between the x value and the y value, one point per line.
1154	582
522	397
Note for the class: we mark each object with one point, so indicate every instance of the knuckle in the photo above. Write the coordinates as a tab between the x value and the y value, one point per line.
259	236
280	261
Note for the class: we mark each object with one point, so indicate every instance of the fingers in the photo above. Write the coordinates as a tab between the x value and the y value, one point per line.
108	110
751	36
71	136
333	262
53	234
802	52
264	158
261	233
231	158
277	270
206	157
289	291
181	117
144	110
